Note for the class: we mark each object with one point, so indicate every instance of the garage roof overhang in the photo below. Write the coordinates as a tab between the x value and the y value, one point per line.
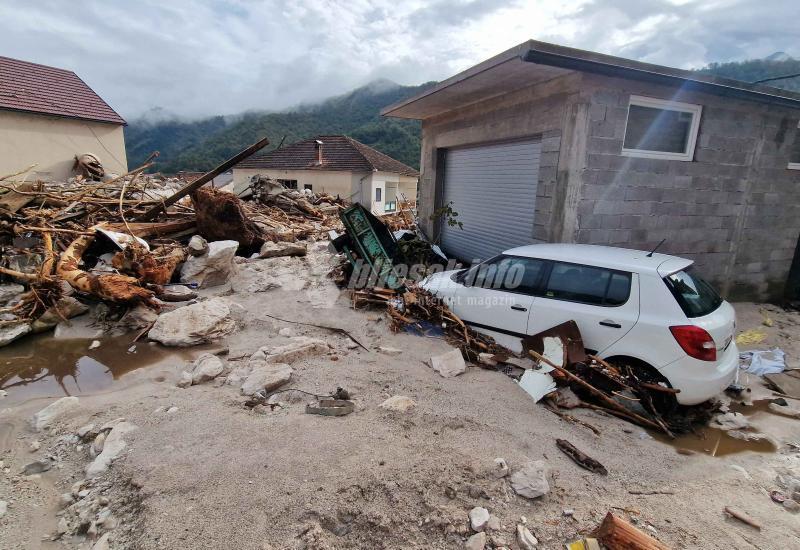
535	62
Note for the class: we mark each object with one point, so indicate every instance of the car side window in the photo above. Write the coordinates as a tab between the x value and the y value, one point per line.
509	273
588	285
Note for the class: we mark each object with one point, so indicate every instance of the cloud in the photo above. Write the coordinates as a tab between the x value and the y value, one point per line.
204	57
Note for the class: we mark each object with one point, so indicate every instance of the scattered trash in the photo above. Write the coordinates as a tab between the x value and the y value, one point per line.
537	384
763	362
750	337
331	407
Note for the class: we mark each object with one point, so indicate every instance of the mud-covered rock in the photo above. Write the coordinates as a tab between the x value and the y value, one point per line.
213	268
194	324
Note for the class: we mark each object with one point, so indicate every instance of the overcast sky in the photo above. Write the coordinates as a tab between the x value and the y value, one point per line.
204	57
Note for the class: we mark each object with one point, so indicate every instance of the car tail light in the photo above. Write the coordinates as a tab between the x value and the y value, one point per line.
695	341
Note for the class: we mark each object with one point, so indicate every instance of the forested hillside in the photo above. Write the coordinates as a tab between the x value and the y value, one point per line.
759	69
202	144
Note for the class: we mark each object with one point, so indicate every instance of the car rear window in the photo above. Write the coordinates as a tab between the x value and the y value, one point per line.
589	285
695	296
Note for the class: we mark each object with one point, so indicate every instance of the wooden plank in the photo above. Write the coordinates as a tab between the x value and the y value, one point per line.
784	383
202	180
13	201
617	534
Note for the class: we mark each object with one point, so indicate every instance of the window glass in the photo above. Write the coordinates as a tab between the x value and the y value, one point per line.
662	130
578	283
308	186
508	273
619	289
695	296
794	153
377	194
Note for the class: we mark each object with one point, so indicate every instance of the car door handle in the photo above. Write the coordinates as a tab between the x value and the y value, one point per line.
519	308
610	323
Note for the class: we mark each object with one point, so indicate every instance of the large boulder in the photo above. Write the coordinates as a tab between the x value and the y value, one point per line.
13	331
213	268
112	447
54	412
194	324
531	481
266	377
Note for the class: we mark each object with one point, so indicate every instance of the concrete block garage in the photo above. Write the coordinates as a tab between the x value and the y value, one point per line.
544	143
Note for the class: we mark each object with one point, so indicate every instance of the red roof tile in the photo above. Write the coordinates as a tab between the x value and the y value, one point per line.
338	153
34	88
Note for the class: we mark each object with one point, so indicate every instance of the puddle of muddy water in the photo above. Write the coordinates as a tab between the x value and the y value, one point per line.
40	366
715	442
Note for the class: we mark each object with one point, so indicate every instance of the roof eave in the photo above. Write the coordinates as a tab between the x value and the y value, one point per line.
120	122
589	62
573	59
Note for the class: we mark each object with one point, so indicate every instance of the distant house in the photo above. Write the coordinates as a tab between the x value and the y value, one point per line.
544	143
337	165
48	116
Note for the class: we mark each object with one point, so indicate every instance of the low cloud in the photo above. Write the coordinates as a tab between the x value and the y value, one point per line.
202	57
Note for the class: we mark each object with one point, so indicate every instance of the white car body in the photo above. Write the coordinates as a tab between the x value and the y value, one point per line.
639	328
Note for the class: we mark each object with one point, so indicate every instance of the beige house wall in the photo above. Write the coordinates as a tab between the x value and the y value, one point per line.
52	143
396	184
344	184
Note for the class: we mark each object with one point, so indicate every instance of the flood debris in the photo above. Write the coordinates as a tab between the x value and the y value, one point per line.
124	240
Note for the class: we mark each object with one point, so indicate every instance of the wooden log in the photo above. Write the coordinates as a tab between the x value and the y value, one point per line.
202	180
580	458
617	534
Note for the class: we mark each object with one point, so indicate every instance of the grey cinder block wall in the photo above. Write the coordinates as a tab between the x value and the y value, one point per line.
734	209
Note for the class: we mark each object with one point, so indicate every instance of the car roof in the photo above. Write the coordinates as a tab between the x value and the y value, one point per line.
624	259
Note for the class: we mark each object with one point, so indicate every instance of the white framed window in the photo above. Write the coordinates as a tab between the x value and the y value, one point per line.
661	129
794	152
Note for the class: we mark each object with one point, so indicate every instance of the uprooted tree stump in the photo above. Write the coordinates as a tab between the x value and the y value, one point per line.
221	217
112	287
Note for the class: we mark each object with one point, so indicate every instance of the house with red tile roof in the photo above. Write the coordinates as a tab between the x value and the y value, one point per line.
338	165
48	116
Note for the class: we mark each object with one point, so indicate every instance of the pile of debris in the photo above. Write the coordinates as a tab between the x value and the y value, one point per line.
127	240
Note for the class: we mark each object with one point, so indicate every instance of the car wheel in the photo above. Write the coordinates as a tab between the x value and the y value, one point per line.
665	403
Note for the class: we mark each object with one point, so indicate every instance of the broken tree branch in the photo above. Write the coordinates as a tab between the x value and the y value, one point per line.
324	327
580	458
613	406
202	180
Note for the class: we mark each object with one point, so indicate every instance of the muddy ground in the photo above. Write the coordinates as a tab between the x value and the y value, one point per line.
212	473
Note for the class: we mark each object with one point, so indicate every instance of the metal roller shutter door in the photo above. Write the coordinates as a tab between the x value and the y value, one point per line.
493	190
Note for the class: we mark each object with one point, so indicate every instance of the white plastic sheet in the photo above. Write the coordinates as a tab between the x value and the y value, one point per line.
761	362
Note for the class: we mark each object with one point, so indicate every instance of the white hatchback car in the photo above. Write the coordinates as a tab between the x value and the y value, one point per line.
643	309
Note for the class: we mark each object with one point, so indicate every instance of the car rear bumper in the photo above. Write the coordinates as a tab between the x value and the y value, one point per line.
701	380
